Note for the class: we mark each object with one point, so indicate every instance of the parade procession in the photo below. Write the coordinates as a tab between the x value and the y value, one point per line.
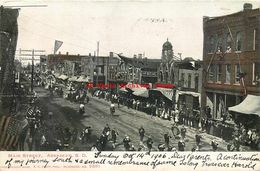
55	99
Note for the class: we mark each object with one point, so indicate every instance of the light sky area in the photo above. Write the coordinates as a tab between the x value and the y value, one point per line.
128	27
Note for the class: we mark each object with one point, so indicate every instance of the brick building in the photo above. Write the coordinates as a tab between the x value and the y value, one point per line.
231	56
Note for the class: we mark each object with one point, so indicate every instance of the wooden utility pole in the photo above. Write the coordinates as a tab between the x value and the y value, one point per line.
30	55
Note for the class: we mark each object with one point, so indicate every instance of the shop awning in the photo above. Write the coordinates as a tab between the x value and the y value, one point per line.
194	94
166	92
250	105
83	79
63	77
123	89
142	92
73	78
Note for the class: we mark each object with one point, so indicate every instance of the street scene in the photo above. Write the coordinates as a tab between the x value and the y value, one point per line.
58	94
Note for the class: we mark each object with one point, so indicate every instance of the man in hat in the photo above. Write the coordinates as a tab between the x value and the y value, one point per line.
149	143
181	145
183	132
167	139
141	133
126	142
214	145
198	138
114	134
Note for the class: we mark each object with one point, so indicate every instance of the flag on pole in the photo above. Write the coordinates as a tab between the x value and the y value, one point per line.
10	129
57	45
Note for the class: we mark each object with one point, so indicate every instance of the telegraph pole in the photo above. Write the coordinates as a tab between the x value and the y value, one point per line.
29	55
32	70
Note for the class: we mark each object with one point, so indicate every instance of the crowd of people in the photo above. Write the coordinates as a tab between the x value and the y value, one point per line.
156	108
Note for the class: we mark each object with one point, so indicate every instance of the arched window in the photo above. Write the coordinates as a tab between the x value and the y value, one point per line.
228	43
238	41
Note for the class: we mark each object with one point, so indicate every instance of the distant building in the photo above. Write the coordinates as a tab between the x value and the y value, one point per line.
166	69
231	56
99	68
139	70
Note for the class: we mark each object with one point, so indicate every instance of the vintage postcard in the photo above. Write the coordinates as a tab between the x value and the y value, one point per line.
143	84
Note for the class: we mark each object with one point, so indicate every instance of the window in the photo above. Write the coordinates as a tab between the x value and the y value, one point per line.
211	73
182	79
237	73
228	72
212	44
254	39
238	41
189	80
228	43
256	73
219	72
219	43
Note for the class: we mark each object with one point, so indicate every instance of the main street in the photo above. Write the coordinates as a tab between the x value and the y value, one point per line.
125	121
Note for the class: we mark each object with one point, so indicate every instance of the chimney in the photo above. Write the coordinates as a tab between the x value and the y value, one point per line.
248	6
140	56
135	56
89	54
59	52
67	53
111	54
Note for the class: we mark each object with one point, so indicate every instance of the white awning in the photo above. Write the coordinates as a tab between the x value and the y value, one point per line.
63	77
83	79
250	105
166	92
194	94
142	92
73	78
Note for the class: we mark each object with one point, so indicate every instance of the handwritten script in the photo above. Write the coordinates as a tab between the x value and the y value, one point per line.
154	160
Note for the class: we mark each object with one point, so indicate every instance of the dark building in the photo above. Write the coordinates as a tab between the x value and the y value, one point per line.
231	56
8	41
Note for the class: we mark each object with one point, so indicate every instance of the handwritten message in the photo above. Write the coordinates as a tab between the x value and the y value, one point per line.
153	160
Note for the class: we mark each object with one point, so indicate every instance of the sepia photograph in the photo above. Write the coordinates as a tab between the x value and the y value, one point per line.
143	75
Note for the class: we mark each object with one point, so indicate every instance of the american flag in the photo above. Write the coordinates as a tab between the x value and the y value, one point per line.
10	129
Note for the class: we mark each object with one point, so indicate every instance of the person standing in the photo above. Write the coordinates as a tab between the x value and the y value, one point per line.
183	132
167	139
141	133
126	142
214	145
114	135
149	143
198	138
181	145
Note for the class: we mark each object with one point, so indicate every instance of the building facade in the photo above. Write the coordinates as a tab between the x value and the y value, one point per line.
231	56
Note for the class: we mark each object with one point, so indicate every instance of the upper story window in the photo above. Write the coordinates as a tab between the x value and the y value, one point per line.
256	74
219	42
211	73
228	73
189	80
238	41
254	39
212	41
182	79
228	43
218	73
237	73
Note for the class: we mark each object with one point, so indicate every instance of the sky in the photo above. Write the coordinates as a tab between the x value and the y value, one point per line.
128	27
